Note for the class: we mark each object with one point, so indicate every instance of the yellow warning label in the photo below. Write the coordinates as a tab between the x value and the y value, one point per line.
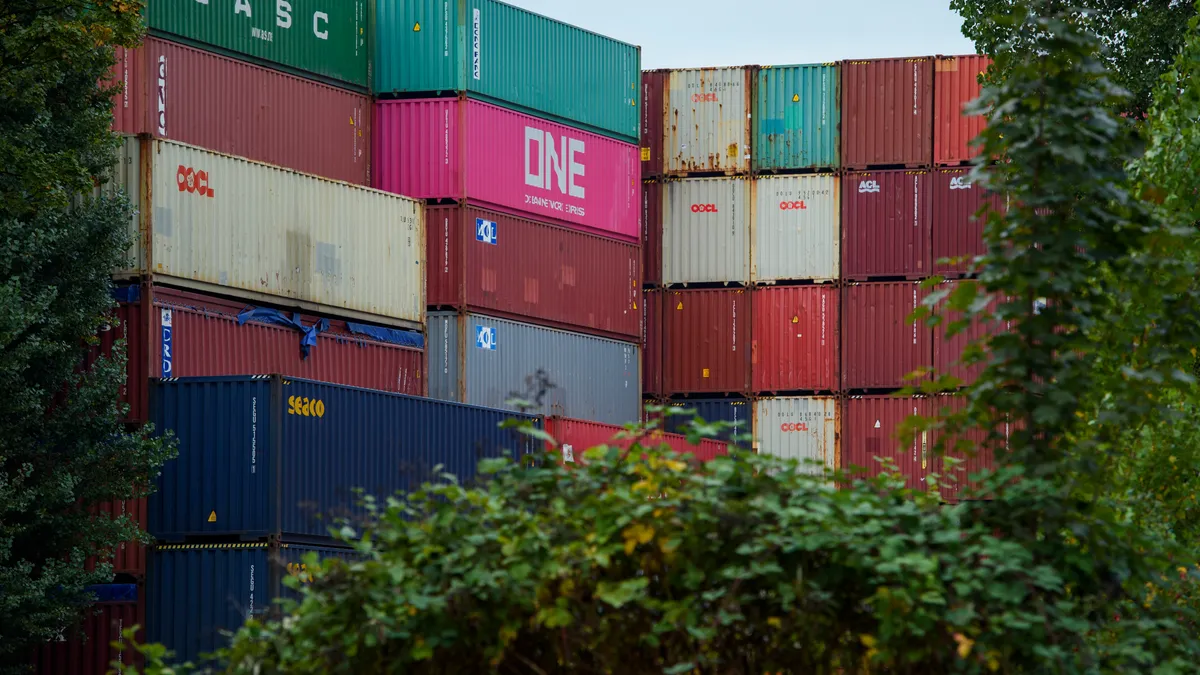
795	98
351	121
706	372
635	304
732	151
417	27
212	517
795	319
645	154
679	306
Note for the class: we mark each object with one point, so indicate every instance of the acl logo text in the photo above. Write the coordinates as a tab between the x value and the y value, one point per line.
543	159
792	206
959	183
868	186
704	208
191	180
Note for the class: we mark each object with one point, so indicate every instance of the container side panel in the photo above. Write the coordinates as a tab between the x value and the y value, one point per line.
127	322
444	256
794	343
956	84
654	113
804	429
708	120
948	351
795	228
417	148
886	219
706	231
652	233
957	228
87	647
706	342
797	118
887	112
445	357
736	412
129	557
576	436
652	343
879	345
965	455
418	46
869	426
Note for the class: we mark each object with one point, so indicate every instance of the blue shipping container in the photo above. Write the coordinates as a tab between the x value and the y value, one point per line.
194	592
735	411
265	455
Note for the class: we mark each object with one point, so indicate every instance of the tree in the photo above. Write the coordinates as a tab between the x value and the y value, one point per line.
62	447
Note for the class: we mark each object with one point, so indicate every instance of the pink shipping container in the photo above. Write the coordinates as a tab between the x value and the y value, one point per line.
954	481
879	345
887	113
706	341
795	339
955	84
956	230
237	108
654	115
652	233
130	557
503	265
947	351
86	648
869	428
886	225
652	343
576	436
467	150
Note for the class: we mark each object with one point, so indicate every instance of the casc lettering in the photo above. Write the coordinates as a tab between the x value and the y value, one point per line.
283	16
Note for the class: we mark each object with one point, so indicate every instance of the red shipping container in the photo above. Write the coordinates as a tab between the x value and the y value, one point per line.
947	351
956	230
130	557
183	334
576	436
955	84
237	108
654	115
794	343
652	232
706	342
503	265
86	649
869	426
953	481
886	222
879	345
652	343
887	113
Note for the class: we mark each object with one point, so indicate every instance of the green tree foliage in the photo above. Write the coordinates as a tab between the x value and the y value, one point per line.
62	448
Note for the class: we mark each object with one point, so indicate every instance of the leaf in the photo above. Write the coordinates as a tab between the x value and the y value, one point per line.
622	593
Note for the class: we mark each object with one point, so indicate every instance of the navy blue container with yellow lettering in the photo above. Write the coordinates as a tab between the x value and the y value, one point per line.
267	456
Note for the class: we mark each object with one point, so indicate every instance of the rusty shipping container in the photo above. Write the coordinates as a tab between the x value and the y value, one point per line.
955	84
887	113
879	345
947	351
488	261
795	228
708	120
706	342
87	647
237	108
794	344
869	431
654	114
706	230
652	232
886	222
652	343
805	429
957	224
129	558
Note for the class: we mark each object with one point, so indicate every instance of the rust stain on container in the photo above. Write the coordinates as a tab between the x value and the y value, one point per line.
706	342
956	231
955	84
654	113
886	224
869	427
887	112
708	121
879	345
652	232
795	339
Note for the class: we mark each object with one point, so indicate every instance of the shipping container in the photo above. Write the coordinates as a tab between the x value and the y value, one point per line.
458	148
880	346
957	227
485	360
485	260
269	456
706	340
129	558
654	114
322	38
508	56
576	436
887	113
955	84
965	454
870	426
886	222
652	343
174	333
947	351
806	429
797	118
195	592
706	231
708	121
192	96
796	228
87	648
222	224
794	343
652	232
734	411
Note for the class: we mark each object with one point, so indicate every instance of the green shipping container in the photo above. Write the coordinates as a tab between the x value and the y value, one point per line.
797	118
510	57
322	38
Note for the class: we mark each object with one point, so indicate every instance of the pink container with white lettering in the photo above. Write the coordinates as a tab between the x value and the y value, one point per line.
463	149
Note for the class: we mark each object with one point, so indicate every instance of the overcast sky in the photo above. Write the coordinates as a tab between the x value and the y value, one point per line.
682	33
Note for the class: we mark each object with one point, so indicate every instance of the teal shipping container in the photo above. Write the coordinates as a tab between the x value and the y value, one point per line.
510	57
321	39
797	118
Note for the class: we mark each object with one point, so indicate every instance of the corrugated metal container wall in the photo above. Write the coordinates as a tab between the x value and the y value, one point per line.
879	345
652	232
511	56
706	341
955	84
947	351
869	425
796	118
196	592
795	339
127	322
455	148
708	120
327	38
654	114
87	648
576	436
956	231
956	481
885	224
262	456
887	113
804	429
796	232
735	411
238	108
652	343
706	230
129	557
224	224
490	261
484	360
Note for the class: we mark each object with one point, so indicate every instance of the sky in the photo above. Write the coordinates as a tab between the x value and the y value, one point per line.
687	33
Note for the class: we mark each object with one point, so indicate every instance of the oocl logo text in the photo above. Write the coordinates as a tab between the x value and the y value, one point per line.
868	186
191	180
793	426
704	208
958	183
704	98
792	206
545	159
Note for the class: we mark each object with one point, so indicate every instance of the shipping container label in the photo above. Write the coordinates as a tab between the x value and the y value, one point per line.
475	44
485	337
168	333
959	183
485	231
868	186
302	405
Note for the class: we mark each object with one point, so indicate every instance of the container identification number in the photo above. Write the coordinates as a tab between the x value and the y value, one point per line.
308	407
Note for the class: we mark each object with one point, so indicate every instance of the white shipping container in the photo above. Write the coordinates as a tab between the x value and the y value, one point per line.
708	121
796	226
706	230
803	428
230	226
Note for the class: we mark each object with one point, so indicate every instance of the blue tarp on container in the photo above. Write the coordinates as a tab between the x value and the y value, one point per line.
265	455
736	411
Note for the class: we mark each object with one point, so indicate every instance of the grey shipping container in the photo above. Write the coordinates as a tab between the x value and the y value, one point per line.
270	456
487	361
